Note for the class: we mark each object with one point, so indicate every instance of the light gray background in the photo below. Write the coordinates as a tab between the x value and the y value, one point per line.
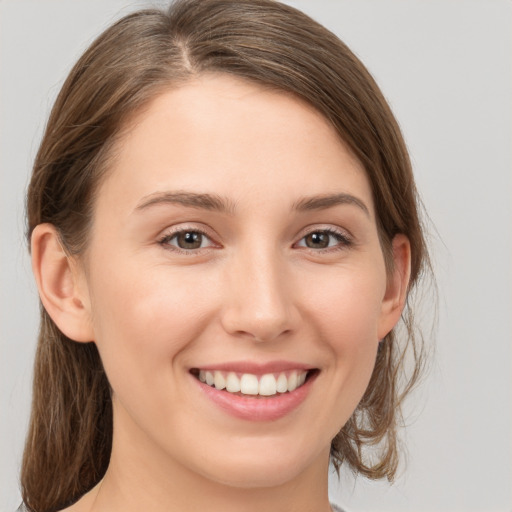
446	68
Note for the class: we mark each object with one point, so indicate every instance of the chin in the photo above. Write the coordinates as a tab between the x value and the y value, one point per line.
252	476
262	465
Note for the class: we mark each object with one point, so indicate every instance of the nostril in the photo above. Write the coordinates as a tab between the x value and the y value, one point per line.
262	334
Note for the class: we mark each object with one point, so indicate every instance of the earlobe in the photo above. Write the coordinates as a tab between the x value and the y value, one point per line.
61	291
397	286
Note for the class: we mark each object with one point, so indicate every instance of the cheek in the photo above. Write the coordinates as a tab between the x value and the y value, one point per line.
143	318
347	316
348	307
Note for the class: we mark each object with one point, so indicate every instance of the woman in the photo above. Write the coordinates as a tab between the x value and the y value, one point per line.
224	234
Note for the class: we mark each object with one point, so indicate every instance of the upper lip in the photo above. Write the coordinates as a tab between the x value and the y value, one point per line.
255	368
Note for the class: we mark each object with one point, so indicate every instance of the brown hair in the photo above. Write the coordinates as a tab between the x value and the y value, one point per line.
69	440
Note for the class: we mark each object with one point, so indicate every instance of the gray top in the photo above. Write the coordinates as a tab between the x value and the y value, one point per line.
334	507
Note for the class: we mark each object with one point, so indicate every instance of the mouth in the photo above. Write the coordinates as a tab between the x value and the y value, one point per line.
253	385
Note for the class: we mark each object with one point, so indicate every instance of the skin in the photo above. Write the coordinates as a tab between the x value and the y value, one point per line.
254	291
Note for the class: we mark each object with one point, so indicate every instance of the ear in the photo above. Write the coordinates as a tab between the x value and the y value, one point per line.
397	285
61	284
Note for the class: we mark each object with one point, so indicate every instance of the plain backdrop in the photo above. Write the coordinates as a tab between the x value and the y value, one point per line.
446	68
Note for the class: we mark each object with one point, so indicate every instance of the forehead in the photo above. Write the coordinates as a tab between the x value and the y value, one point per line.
225	135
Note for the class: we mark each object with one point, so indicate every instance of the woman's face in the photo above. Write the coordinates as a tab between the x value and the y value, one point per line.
234	241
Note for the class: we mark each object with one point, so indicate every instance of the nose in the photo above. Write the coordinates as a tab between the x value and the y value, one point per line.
259	300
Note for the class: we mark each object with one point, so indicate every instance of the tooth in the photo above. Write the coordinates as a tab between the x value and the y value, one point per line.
282	383
209	378
292	381
267	385
249	384
219	380
232	383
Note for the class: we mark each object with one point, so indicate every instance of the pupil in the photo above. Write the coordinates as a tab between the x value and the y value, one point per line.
190	240
317	240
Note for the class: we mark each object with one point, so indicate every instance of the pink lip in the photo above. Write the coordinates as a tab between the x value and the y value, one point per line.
256	368
261	408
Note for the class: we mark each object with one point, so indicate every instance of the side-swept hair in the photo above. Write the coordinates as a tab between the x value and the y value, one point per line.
143	54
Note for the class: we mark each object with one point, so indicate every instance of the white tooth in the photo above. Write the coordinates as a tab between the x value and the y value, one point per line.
292	381
282	383
301	378
209	378
202	376
232	383
249	384
219	380
267	385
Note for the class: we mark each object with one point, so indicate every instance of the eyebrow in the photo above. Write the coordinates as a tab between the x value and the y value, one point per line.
217	203
328	201
191	199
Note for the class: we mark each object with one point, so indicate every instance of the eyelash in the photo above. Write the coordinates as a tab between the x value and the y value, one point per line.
344	241
164	241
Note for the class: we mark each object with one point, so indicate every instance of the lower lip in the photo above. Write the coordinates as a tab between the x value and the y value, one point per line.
258	408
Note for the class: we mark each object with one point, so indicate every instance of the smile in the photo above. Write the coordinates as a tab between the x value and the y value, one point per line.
256	392
269	384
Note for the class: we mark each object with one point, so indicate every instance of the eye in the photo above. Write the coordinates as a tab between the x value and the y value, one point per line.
187	240
324	239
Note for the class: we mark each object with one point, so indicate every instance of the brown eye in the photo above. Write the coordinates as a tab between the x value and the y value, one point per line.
187	240
324	239
317	240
